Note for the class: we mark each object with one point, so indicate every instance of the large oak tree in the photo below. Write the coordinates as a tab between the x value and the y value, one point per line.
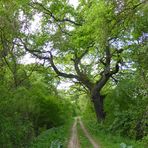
86	44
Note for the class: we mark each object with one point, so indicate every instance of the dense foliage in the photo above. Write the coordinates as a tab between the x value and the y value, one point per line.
28	110
128	103
98	46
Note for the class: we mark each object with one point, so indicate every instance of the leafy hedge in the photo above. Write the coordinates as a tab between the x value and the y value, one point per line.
127	110
26	112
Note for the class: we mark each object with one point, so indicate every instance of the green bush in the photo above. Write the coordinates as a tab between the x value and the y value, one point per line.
26	112
126	109
57	137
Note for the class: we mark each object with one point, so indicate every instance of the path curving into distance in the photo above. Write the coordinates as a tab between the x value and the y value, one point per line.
74	141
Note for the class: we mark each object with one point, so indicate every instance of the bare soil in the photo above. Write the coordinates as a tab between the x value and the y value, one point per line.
74	141
91	140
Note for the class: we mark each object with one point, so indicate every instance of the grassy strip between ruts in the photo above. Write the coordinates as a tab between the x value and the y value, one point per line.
107	140
53	138
84	142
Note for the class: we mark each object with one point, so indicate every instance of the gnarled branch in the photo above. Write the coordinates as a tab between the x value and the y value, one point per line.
48	12
59	73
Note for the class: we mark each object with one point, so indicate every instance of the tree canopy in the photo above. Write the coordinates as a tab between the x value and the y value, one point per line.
88	44
100	46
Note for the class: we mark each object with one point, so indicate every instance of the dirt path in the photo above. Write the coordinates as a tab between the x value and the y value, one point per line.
91	140
74	141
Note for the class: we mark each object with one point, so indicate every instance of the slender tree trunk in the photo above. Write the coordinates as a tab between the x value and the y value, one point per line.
98	101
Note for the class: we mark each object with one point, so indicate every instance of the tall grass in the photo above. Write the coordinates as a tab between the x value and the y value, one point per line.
54	138
108	140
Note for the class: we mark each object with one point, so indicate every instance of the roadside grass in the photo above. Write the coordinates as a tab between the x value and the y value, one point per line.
53	138
84	142
107	140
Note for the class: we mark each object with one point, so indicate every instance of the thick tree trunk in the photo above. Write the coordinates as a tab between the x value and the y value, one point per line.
98	100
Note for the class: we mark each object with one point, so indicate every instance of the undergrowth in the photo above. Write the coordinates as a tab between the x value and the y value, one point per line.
107	140
84	142
53	138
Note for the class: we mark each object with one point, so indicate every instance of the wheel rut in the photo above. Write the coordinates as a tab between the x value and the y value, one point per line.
74	141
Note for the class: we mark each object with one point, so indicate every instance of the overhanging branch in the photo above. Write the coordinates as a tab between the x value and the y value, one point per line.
59	73
48	12
50	59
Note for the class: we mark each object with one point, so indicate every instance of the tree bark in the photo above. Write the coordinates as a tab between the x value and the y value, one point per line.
98	101
98	98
